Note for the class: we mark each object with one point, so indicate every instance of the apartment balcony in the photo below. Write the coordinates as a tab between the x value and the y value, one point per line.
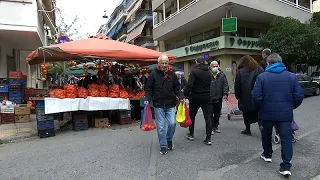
122	15
188	17
144	41
140	16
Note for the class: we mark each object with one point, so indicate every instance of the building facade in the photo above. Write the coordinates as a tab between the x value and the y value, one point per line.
131	22
192	28
24	26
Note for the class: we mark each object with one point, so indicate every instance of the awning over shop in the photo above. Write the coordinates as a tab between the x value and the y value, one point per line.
136	32
119	26
135	8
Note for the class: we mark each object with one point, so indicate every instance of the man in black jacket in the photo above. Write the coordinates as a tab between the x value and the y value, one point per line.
163	87
198	92
219	89
265	53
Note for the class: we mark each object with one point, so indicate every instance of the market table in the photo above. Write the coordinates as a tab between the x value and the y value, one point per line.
55	105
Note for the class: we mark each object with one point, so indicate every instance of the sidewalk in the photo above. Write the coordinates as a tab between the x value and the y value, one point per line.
16	131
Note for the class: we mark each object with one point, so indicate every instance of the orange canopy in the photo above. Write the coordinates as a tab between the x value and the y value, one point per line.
94	48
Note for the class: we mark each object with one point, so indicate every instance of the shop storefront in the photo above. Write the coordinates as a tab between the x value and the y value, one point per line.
226	49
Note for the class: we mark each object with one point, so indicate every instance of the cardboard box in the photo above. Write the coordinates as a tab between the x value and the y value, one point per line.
103	122
23	119
22	109
7	109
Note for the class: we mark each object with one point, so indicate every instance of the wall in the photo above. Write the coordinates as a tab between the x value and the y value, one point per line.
3	62
18	14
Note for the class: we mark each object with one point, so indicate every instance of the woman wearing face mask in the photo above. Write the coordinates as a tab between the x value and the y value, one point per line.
219	89
246	76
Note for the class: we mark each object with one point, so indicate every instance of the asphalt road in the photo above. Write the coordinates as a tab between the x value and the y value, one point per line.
128	153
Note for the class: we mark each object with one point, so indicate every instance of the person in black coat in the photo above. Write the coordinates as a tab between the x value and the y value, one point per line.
182	80
265	53
246	76
197	91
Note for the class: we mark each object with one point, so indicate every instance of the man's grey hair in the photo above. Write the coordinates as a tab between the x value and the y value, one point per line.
163	57
267	51
274	58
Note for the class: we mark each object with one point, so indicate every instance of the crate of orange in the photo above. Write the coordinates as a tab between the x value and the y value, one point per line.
147	120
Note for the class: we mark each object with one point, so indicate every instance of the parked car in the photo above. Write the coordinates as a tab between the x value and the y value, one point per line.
315	76
309	86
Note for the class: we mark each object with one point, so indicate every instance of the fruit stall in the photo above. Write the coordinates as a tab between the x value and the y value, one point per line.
110	87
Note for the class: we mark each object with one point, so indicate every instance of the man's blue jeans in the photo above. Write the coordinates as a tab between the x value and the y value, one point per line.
285	131
164	118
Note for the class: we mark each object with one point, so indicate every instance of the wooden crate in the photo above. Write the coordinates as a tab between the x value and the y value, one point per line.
7	118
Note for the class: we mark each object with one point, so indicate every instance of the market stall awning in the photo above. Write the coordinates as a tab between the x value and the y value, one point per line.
79	72
94	48
136	32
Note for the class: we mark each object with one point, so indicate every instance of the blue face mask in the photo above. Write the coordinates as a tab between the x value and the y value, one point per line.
215	69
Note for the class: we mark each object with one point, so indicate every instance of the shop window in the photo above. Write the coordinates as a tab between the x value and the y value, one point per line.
212	33
170	46
254	33
196	38
180	43
241	32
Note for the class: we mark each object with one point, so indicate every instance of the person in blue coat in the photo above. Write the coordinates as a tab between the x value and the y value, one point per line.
276	94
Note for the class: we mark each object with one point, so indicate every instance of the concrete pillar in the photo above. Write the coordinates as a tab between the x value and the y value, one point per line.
178	5
3	62
187	69
164	11
311	5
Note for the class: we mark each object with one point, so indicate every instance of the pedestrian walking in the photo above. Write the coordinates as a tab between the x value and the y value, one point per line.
182	80
163	87
265	53
276	94
198	90
219	90
248	71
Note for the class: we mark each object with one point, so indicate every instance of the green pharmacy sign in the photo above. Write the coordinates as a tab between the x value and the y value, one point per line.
229	24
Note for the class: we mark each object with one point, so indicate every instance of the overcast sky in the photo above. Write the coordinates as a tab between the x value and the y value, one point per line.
89	12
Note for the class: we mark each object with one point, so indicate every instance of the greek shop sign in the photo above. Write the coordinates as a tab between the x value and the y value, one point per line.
206	46
244	43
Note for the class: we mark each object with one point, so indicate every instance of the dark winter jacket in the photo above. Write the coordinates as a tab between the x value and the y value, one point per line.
219	88
198	86
276	93
183	83
263	64
244	83
163	88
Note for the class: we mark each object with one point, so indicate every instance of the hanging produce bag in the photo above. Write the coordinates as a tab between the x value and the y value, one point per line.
147	121
82	92
181	113
294	126
188	120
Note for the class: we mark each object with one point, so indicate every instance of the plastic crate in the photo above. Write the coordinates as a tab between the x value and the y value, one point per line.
125	114
8	118
40	116
15	97
4	88
15	82
3	81
46	133
123	121
40	104
15	75
79	116
4	96
43	125
82	127
15	88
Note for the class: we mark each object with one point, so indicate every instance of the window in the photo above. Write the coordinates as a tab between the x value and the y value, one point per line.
212	33
170	46
196	38
241	32
254	33
180	43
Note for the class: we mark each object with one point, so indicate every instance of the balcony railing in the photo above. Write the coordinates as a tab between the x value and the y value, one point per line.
296	5
196	1
140	14
116	20
143	41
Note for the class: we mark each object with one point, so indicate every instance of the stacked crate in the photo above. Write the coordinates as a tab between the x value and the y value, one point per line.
4	89
7	114
124	117
15	87
80	121
45	123
22	113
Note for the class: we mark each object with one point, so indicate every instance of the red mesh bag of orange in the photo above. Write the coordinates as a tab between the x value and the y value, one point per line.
103	94
103	88
93	86
141	94
115	88
82	92
94	92
71	90
52	94
59	93
124	93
